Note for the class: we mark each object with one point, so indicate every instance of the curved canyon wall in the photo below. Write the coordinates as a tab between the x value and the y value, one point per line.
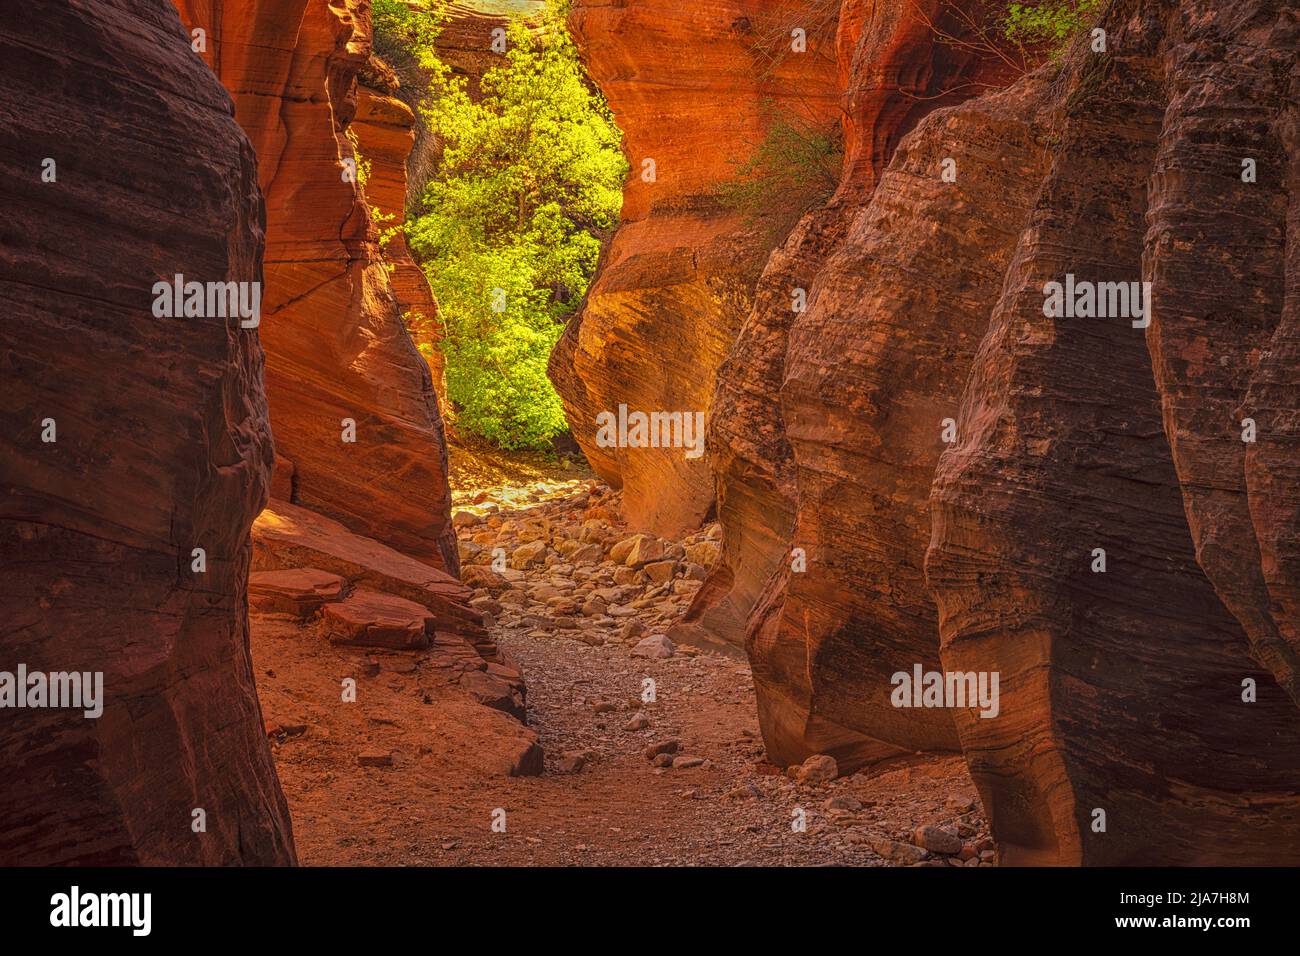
1134	693
128	441
336	347
694	88
921	469
384	128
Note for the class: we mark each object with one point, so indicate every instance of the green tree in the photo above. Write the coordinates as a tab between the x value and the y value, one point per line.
510	226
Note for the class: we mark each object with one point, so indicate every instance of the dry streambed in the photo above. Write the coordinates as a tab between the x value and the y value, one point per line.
652	755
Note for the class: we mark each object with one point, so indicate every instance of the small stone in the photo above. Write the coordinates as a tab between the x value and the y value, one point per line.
686	763
817	770
703	553
669	746
570	762
638	722
645	549
662	760
375	758
660	571
746	791
619	552
527	555
587	554
899	852
960	803
844	802
603	707
656	646
937	840
465	519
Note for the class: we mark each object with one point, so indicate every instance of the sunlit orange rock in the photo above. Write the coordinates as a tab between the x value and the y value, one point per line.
336	349
693	87
383	127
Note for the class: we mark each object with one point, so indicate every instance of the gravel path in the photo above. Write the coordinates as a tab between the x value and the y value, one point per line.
572	618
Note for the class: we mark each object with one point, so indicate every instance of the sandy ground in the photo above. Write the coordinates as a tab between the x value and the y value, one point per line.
600	802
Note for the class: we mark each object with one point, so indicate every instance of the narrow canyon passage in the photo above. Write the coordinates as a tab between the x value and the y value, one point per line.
941	412
412	773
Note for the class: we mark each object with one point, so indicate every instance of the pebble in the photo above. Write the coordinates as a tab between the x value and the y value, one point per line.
375	758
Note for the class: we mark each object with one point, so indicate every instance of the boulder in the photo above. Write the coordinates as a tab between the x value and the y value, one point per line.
298	592
656	646
287	536
374	619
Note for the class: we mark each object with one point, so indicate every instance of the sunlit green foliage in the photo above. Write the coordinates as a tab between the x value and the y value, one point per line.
510	226
1050	25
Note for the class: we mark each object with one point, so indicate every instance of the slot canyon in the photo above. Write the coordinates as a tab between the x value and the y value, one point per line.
334	630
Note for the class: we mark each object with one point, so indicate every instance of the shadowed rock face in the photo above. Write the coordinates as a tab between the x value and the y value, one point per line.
693	87
836	412
1122	691
1119	691
162	446
335	344
1228	298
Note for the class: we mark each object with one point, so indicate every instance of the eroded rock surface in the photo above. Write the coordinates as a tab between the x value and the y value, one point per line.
1119	691
336	348
384	130
127	442
1123	691
893	73
694	88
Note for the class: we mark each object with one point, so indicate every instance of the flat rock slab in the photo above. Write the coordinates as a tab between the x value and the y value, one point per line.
373	619
298	592
288	536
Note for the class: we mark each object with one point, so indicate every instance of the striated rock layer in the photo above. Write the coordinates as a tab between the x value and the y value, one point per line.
694	88
893	73
384	130
336	348
127	442
1120	734
1123	691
